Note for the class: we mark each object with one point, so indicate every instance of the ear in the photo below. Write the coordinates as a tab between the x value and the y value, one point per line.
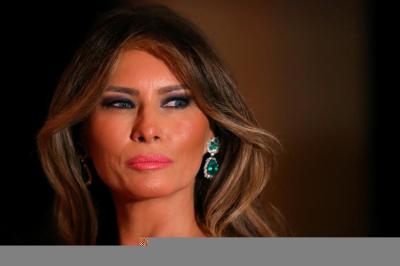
82	139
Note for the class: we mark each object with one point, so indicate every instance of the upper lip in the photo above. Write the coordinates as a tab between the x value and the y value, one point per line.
148	158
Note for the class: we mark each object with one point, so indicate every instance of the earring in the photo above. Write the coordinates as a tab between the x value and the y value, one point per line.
88	175
211	164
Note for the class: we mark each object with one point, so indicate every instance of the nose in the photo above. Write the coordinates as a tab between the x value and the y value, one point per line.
147	128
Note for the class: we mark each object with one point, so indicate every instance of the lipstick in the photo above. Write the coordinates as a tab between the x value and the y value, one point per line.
148	162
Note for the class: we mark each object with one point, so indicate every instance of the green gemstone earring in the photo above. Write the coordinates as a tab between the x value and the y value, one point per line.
211	164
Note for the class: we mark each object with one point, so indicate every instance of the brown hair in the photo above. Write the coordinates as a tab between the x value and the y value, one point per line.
228	205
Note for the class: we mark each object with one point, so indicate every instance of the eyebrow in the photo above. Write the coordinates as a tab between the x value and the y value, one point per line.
135	92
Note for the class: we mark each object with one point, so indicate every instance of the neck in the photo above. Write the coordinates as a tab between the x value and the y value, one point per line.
169	216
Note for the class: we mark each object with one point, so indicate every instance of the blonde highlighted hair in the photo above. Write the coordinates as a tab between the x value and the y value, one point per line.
229	205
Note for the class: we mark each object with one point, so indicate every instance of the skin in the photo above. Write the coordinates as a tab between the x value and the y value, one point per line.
138	120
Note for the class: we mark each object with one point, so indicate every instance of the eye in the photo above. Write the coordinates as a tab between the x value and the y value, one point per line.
178	102
119	103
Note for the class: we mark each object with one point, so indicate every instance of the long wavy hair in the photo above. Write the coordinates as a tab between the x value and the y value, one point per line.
229	204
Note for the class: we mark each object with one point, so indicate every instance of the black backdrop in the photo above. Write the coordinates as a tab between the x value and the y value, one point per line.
38	41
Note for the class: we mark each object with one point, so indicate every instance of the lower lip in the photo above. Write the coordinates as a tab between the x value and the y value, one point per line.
149	165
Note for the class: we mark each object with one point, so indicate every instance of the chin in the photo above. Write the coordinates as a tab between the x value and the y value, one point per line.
147	189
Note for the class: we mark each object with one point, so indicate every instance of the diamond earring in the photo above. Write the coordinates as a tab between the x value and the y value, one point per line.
86	174
211	165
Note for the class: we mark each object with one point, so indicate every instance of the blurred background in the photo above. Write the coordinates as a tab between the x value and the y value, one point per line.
306	68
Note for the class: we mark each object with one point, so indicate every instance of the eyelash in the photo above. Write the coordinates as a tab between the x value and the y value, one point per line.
185	99
119	103
122	103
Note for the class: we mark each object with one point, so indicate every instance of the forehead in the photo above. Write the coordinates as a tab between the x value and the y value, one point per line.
140	69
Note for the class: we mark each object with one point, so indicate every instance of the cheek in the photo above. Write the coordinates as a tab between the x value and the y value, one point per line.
189	142
106	141
106	134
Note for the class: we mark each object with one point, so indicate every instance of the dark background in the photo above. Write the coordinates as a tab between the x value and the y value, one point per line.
307	70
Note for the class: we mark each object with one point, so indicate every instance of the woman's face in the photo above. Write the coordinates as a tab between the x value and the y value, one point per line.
147	136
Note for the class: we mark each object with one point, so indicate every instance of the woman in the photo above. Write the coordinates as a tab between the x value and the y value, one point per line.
148	108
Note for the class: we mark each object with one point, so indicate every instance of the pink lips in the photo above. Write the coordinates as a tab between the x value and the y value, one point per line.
149	162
